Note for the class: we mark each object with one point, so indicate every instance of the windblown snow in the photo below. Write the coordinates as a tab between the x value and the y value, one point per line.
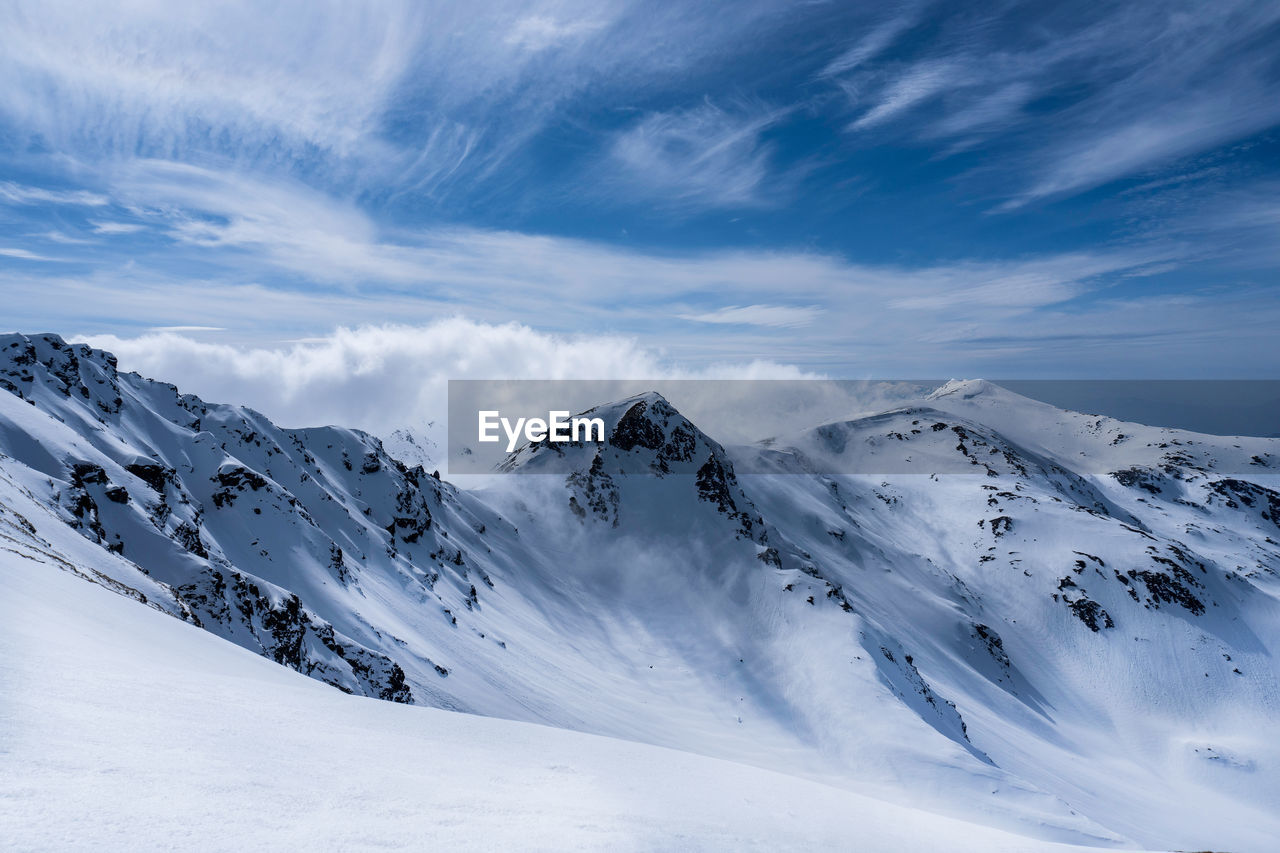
1071	642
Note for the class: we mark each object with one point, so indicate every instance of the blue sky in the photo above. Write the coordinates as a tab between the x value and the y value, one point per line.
858	189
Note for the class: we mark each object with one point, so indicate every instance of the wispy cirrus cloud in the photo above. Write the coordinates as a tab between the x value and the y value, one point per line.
1134	87
1131	143
539	32
116	227
252	223
22	255
916	85
61	238
12	193
875	41
781	316
174	80
277	223
1059	315
706	156
375	98
334	265
997	108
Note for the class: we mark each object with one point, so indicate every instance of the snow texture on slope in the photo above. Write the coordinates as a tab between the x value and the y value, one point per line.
1074	639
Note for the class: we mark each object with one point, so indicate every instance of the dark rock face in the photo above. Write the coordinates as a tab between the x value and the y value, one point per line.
413	516
188	536
1091	614
85	478
1240	494
718	485
70	370
655	426
713	486
993	643
288	633
233	482
681	445
657	440
154	474
1164	588
635	430
595	492
1140	478
87	472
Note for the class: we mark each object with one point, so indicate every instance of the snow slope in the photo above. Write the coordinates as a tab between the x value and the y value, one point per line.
1051	623
1123	626
123	729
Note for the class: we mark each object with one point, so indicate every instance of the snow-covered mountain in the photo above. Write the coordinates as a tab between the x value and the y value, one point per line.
155	734
1055	624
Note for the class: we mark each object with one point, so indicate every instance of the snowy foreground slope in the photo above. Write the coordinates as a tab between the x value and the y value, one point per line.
976	606
123	729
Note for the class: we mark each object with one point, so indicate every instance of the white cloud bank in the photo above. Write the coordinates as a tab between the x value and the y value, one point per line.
380	378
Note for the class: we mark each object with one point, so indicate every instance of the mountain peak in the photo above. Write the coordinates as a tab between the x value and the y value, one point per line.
30	363
964	388
644	434
14	343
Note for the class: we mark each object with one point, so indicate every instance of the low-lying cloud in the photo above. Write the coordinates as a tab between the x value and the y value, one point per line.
380	378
